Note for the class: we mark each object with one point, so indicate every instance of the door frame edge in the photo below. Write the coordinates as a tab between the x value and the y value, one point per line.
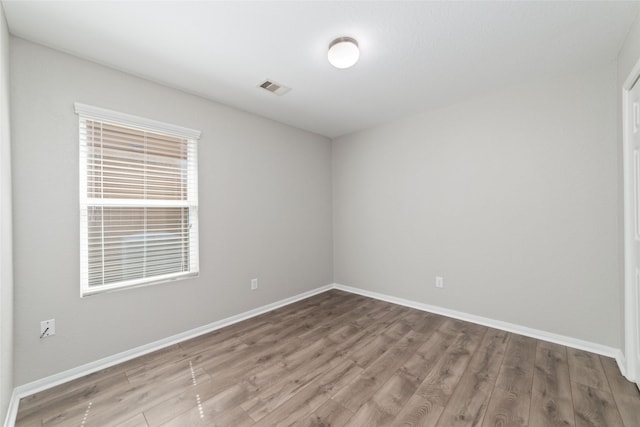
631	333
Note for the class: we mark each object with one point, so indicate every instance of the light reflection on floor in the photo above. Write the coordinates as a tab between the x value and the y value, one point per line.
86	414
195	383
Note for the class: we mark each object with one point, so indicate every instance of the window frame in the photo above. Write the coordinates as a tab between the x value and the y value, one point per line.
88	112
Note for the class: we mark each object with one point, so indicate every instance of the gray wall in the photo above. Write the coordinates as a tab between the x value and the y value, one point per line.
630	52
265	212
6	276
511	197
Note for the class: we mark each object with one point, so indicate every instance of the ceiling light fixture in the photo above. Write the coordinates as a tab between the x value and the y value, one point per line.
343	52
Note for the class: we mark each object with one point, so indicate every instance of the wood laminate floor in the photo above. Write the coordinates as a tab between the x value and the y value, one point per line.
339	359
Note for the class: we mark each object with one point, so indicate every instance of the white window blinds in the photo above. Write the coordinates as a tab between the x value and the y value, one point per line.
138	201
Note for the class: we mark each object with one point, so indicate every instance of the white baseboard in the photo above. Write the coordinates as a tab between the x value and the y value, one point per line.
496	324
80	371
71	374
12	411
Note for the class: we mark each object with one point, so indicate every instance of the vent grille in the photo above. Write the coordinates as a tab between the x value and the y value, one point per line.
273	87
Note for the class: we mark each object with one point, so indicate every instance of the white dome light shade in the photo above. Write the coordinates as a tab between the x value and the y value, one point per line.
343	52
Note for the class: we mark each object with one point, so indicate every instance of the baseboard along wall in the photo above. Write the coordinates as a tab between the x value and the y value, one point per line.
600	349
86	369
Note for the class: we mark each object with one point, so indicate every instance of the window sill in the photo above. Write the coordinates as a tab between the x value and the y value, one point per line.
137	283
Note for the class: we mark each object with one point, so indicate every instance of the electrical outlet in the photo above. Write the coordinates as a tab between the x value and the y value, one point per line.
439	282
47	328
254	284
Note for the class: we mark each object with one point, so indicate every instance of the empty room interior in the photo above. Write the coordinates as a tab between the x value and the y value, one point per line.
323	213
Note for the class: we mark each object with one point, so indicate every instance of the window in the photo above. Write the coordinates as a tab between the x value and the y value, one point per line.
138	201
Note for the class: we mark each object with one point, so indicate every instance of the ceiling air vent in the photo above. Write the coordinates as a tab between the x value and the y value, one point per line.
274	87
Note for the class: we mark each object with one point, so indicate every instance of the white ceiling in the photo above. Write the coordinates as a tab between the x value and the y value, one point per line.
414	55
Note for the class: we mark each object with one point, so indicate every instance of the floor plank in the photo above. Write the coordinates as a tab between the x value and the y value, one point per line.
625	393
340	359
594	407
357	393
135	421
433	394
551	400
470	399
585	368
331	414
511	396
179	404
312	396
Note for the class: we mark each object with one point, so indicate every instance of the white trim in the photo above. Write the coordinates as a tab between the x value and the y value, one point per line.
140	203
138	283
636	192
91	367
492	323
12	411
631	333
71	374
117	117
